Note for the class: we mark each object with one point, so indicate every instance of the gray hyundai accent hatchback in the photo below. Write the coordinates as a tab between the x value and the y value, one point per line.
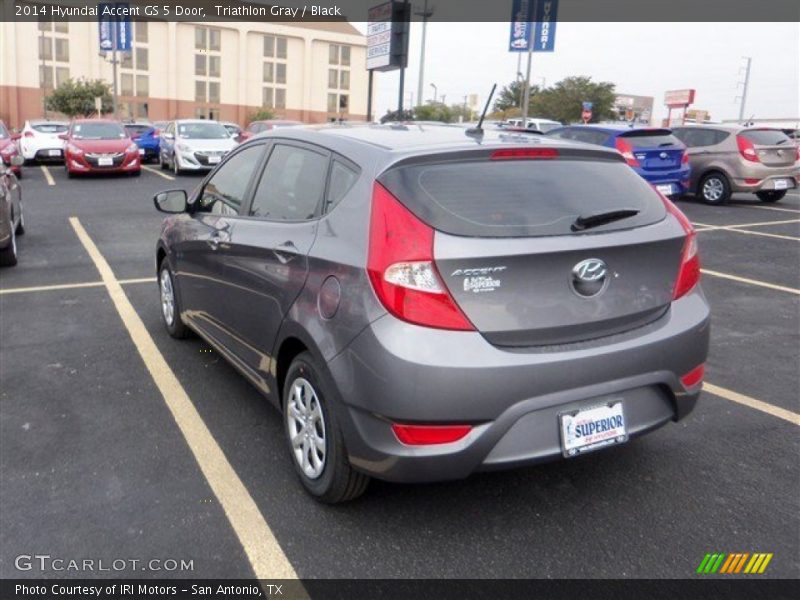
422	304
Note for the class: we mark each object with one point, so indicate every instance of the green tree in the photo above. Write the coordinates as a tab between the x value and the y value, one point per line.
262	114
434	111
76	98
563	101
511	96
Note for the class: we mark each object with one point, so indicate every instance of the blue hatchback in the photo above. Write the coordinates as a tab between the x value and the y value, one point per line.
654	153
146	137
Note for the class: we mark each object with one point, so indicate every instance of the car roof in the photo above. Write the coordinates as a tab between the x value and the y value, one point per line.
197	121
96	121
46	122
616	128
389	143
729	127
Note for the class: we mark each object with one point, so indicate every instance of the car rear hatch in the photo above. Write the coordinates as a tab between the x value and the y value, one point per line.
517	259
652	149
50	131
773	147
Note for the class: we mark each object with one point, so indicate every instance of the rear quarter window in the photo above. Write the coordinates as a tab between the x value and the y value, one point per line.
522	198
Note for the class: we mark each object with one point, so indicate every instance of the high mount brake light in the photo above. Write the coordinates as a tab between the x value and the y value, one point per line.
524	153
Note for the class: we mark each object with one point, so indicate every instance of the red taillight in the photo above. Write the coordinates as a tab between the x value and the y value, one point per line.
746	149
402	270
689	272
28	134
627	152
685	158
797	158
426	435
524	153
693	377
751	181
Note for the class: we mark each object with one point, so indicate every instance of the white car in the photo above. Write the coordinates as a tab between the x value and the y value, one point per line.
40	140
194	145
543	125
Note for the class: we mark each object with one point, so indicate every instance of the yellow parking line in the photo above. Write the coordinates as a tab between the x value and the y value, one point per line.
70	286
47	176
262	549
765	407
158	172
763	284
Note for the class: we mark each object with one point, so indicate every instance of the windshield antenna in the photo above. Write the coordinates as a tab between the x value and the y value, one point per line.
478	131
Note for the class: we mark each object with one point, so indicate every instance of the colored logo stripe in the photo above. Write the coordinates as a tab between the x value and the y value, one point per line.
734	563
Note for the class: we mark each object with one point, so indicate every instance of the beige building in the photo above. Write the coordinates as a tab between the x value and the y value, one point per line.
311	72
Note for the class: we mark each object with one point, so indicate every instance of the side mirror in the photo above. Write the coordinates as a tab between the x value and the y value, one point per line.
17	160
63	136
171	201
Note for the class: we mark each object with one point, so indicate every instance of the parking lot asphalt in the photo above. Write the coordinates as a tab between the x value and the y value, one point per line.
95	464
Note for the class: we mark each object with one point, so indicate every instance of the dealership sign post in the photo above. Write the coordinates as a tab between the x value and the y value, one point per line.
678	99
115	34
387	43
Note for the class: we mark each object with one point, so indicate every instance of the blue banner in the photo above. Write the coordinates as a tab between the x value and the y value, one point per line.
521	25
111	27
544	35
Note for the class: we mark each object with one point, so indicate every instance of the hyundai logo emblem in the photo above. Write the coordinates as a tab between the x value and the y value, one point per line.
589	277
663	155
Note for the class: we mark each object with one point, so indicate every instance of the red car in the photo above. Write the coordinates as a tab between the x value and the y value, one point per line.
259	126
99	146
8	149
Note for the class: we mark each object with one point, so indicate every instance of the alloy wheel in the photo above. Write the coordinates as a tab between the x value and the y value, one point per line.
167	297
713	189
306	425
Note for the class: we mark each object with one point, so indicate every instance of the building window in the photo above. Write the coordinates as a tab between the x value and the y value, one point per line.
267	98
280	98
201	38
140	31
280	73
333	54
344	80
142	59
62	75
208	39
274	71
339	55
269	72
281	47
214	66
126	84
345	59
142	85
46	77
62	50
333	78
127	60
332	101
200	62
269	46
213	91
45	26
214	40
338	103
344	102
200	91
45	48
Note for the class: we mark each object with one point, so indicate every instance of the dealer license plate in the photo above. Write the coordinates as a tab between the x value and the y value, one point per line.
592	428
665	189
104	161
141	150
54	153
213	160
781	184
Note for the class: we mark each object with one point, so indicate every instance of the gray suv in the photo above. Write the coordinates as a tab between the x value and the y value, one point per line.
421	304
733	158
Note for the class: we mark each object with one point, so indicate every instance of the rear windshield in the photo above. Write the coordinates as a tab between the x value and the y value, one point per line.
202	131
137	129
522	198
50	127
765	137
98	131
651	139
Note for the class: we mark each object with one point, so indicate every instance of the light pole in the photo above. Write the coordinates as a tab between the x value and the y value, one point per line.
435	92
425	14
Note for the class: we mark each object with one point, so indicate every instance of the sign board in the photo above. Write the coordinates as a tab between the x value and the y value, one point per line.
521	25
676	98
387	36
110	27
544	35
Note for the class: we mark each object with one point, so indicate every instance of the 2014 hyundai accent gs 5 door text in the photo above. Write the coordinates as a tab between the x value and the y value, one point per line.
422	304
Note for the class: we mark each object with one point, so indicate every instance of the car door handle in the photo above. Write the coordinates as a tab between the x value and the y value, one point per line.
285	251
217	238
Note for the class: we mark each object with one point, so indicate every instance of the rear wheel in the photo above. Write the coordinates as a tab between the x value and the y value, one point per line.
170	307
21	224
175	167
715	189
8	255
162	162
314	437
771	196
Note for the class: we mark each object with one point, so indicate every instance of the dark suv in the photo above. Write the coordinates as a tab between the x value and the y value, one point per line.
421	304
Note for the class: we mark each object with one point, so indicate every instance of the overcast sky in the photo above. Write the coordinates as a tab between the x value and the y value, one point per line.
640	58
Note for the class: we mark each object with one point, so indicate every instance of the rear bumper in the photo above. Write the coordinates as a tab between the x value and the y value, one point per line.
766	179
396	372
678	179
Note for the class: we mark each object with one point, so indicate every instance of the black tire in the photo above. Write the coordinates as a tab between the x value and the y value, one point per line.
176	170
21	225
176	328
714	189
164	166
8	255
338	481
771	195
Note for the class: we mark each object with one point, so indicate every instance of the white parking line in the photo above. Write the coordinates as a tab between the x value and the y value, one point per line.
47	176
777	208
765	407
759	223
262	549
71	286
158	172
700	227
763	284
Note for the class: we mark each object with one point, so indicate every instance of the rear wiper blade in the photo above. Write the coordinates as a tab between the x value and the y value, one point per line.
593	220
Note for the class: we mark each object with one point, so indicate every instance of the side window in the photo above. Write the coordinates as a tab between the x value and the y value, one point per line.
720	136
291	186
342	179
224	192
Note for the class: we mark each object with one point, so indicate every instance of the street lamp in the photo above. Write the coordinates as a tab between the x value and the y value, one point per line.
435	92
